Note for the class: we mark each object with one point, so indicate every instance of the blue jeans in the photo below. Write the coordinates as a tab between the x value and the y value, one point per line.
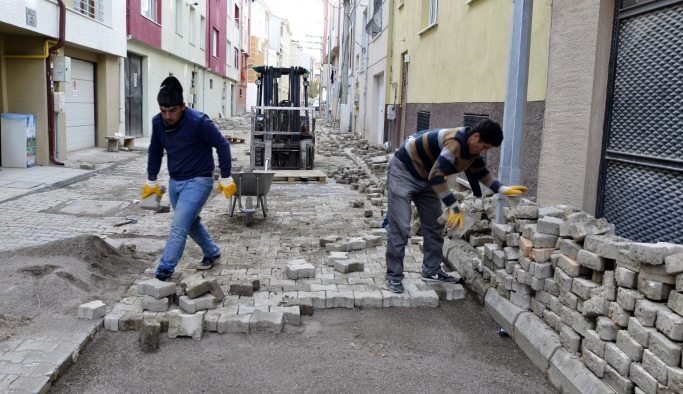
187	199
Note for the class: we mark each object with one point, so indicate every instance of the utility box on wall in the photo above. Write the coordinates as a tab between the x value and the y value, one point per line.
61	69
18	140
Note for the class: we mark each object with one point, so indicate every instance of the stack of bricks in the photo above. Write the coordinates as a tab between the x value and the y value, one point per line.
615	303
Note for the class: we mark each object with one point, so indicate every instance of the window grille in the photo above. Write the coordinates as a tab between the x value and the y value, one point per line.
91	8
374	27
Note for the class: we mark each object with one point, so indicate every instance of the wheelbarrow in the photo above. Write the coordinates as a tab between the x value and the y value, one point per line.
251	184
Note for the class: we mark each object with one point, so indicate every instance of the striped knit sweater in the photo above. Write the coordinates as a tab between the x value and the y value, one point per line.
432	154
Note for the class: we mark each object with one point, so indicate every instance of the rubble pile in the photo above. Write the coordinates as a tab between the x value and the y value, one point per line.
615	303
235	122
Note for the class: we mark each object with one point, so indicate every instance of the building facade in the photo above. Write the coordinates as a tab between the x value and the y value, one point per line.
94	41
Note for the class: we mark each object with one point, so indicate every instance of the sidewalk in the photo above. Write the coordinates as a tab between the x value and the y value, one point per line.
18	182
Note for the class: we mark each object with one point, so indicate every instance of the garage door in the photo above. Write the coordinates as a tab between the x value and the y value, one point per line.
80	106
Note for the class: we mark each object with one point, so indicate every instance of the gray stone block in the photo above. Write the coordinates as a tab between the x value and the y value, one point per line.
674	264
571	267
424	299
670	324
592	342
266	321
594	363
203	302
638	332
643	379
541	255
503	311
655	367
552	319
527	228
569	299
550	211
541	241
526	212
511	239
552	287
521	300
499	258
542	270
156	288
233	323
329	239
569	375
211	320
215	289
581	325
92	310
348	266
626	278
372	240
620	384
130	321
154	305
606	329
675	302
241	289
675	379
298	269
619	360
536	339
291	314
629	345
537	307
583	287
511	253
591	260
537	283
665	349
334	256
111	320
596	306
149	335
563	280
618	314
646	312
579	229
653	254
654	290
627	298
570	339
570	248
339	299
549	225
390	299
368	299
195	285
183	324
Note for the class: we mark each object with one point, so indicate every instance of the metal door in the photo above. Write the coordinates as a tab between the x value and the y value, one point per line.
641	179
133	80
80	106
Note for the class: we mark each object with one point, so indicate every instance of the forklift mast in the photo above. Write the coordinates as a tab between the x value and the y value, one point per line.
282	128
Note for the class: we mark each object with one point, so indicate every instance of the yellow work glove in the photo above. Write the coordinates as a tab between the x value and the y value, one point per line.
455	219
227	186
149	188
512	190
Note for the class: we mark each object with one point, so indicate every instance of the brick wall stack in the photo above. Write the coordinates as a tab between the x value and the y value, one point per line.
613	304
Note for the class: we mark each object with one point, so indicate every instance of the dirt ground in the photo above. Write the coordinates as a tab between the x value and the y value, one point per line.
43	286
453	348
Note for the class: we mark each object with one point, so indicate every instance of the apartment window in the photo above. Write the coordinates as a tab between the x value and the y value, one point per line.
202	32
237	15
149	10
214	43
237	58
191	26
179	16
91	8
433	10
428	15
227	53
210	83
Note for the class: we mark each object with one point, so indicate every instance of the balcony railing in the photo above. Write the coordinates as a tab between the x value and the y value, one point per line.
374	26
91	8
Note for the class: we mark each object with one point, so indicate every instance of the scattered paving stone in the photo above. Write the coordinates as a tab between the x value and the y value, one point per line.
92	310
297	269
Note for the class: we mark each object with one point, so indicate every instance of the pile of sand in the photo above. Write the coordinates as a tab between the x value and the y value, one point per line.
43	286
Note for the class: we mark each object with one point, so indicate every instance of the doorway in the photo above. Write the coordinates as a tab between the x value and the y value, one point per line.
133	81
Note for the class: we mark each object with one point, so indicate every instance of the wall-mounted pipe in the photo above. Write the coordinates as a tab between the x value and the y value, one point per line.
50	85
43	56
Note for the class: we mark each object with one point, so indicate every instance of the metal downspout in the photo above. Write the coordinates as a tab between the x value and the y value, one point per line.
50	85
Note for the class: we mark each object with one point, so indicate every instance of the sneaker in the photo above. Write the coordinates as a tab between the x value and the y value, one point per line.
208	262
164	276
440	277
395	285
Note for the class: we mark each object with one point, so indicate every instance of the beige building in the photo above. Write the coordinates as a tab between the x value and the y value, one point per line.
95	43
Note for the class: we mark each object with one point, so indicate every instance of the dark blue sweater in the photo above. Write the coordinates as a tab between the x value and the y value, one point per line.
189	147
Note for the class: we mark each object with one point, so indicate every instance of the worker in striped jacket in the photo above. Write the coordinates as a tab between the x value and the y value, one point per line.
418	173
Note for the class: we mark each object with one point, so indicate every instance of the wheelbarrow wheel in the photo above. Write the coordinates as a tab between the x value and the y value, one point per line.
249	213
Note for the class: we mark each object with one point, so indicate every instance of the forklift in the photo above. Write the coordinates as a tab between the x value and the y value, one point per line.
282	128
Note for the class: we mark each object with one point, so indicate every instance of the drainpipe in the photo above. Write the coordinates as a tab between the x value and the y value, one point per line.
50	85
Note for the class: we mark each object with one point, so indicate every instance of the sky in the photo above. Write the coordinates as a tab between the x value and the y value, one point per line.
305	18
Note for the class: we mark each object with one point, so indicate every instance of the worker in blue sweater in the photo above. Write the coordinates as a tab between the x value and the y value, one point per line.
188	137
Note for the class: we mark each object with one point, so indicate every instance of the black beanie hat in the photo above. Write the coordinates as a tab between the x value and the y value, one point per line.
170	92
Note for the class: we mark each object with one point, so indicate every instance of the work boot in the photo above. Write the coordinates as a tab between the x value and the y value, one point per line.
208	262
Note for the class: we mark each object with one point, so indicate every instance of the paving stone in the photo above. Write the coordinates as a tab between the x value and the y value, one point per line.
618	314
665	349
503	311
185	324
583	287
564	281
571	267
511	239
155	305
195	285
111	320
675	379
594	363
390	299
266	321
349	265
549	225
570	248
581	325
655	367
643	379
653	254
656	274
675	302
291	314
339	299
552	319
241	289
670	324
533	336
626	278
521	300
628	298
373	240
646	312
606	329
215	289
569	375
578	230
638	332
570	339
26	384
568	299
423	299
552	287
130	321
499	258
541	255
334	256
674	264
620	384
233	323
92	310
149	335
596	306
297	269
211	320
629	346
619	360
591	260
156	288
329	239
193	305
592	342
368	299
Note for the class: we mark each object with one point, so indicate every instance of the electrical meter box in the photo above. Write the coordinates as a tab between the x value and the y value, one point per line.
60	102
61	69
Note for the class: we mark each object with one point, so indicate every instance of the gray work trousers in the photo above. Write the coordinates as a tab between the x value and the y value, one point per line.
403	188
